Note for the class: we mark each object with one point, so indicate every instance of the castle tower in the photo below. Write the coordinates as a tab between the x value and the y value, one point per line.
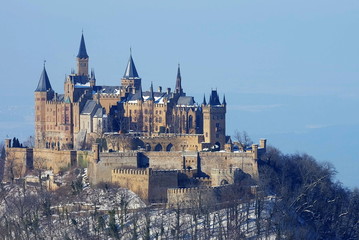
43	93
92	78
131	81
214	120
82	59
178	88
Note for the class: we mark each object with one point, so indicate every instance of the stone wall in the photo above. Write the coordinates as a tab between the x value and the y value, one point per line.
246	161
150	185
100	171
201	197
18	160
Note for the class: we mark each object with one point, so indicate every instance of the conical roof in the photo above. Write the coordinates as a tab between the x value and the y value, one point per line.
82	50
131	71
44	82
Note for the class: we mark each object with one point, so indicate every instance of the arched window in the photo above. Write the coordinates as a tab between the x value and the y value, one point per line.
190	122
169	147
158	148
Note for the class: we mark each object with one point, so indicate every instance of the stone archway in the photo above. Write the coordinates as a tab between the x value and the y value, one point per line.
224	182
158	148
169	147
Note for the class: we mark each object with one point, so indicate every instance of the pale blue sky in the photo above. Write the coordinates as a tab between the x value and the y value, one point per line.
289	69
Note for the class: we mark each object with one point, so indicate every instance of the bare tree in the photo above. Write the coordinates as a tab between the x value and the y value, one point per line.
243	140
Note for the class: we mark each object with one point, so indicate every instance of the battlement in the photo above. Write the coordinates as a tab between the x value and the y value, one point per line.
146	171
132	171
110	95
194	190
172	135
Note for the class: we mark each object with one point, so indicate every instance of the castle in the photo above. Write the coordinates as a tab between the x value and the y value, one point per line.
86	111
160	144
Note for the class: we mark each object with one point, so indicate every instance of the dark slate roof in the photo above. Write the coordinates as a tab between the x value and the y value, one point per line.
99	112
89	107
185	100
60	97
147	94
214	99
228	140
81	79
82	50
44	82
107	89
131	71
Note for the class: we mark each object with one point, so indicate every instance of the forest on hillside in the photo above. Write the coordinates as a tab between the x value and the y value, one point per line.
297	198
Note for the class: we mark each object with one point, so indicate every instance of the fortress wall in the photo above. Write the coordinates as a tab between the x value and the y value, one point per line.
187	142
137	180
101	171
163	160
224	160
160	181
190	197
15	163
199	197
54	160
21	159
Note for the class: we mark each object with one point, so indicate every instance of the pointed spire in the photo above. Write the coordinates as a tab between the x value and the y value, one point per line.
93	77
44	82
152	97
224	99
178	88
131	71
82	50
204	100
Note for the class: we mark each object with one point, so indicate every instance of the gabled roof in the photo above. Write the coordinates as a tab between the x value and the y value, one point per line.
82	50
185	101
89	107
99	113
107	89
44	82
131	72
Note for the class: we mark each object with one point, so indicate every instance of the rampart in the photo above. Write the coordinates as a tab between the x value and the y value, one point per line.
150	185
100	170
19	160
200	198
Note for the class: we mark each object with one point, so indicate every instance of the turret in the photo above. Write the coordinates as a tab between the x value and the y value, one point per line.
92	78
43	93
82	59
214	121
131	79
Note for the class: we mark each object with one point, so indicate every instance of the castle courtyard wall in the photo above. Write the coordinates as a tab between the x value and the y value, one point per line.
101	171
